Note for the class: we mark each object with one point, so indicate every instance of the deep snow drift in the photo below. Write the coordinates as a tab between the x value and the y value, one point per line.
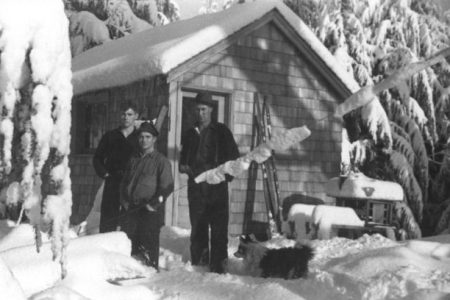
100	267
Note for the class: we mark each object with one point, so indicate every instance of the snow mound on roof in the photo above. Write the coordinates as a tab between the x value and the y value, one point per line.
357	185
161	49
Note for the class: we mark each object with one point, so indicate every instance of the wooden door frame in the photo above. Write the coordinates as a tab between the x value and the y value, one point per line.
176	90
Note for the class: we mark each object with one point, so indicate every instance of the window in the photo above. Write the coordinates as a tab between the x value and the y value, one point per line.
90	125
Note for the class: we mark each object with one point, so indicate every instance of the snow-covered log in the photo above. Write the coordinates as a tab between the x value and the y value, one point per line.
281	140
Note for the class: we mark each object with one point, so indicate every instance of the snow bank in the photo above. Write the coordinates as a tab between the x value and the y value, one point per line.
19	236
98	289
377	261
57	293
102	256
434	249
371	267
9	287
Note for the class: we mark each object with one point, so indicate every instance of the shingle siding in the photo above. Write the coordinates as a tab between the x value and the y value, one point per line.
266	62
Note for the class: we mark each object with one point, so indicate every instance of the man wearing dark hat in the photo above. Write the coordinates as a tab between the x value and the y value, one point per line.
110	159
205	146
147	183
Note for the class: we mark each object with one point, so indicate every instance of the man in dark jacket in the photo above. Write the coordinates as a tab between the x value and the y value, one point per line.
205	146
145	186
110	159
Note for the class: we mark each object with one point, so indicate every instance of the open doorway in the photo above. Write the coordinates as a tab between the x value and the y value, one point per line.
220	114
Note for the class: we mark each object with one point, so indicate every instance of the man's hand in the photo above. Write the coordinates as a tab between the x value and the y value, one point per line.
149	207
186	170
155	206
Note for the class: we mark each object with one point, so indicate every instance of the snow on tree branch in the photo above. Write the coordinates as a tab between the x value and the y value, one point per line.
368	93
35	73
283	140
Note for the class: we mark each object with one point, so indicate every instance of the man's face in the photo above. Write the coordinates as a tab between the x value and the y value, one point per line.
203	113
146	140
128	117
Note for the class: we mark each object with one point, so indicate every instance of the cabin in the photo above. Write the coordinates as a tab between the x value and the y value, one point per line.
258	49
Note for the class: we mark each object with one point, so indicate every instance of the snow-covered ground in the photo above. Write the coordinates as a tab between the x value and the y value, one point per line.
371	267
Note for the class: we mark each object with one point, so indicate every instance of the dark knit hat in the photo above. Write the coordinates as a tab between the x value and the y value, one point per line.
204	98
149	127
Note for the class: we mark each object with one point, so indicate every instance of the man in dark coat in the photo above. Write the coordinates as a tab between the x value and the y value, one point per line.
205	146
110	160
147	183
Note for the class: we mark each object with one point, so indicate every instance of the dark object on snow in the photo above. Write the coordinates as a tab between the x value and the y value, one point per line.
287	263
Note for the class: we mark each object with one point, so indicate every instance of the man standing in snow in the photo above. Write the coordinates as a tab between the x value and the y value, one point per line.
110	159
145	186
205	146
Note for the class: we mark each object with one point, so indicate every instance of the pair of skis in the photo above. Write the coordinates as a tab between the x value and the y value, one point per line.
262	132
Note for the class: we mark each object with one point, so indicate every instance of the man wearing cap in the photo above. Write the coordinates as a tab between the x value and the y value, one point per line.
110	159
146	184
205	146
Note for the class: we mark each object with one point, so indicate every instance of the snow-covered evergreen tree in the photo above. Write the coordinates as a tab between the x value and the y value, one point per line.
35	97
375	39
94	22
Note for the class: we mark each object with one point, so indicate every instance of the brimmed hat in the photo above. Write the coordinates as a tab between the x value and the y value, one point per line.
149	127
204	98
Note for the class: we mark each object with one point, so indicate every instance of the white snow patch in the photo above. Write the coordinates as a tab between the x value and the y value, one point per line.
357	185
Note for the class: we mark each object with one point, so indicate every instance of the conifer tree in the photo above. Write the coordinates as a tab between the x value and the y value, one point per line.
375	38
94	22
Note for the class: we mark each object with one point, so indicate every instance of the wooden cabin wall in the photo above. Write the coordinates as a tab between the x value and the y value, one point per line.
266	62
149	95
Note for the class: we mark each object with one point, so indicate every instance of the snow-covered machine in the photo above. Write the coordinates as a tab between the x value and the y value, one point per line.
373	201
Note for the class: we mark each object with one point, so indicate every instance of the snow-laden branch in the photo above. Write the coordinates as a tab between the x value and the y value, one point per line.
282	141
35	72
368	93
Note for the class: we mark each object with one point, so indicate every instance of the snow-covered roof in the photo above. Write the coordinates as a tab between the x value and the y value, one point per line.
161	49
360	186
